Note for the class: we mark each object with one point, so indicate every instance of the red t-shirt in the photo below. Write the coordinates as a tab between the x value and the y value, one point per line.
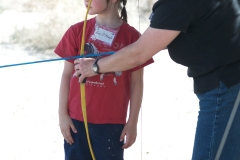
107	96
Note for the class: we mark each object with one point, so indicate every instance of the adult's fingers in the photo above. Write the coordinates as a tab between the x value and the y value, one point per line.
78	66
76	61
82	79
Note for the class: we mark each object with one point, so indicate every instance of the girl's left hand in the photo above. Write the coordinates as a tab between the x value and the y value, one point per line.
130	133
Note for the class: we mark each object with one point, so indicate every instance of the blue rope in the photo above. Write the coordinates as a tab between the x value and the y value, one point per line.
58	59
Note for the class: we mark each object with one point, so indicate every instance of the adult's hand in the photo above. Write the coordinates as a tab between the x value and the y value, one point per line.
83	68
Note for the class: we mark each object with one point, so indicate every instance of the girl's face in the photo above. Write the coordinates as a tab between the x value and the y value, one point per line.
97	6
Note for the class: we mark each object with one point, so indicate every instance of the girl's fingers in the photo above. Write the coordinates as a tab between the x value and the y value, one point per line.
69	138
73	128
129	142
122	136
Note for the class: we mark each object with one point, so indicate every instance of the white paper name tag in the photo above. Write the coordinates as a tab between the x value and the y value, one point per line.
104	35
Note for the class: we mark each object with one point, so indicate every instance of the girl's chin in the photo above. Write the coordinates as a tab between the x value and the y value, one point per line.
91	13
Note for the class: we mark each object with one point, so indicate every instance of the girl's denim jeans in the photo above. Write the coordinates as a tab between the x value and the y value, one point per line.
215	109
104	139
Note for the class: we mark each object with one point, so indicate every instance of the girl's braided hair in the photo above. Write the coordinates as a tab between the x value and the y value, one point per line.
123	10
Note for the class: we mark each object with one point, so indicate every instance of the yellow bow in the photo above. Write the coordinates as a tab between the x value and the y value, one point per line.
82	86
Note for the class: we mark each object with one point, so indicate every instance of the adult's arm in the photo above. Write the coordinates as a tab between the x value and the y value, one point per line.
151	42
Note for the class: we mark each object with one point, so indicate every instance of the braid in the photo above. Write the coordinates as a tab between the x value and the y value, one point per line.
124	11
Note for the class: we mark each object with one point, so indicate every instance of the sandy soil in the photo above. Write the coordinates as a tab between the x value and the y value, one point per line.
29	104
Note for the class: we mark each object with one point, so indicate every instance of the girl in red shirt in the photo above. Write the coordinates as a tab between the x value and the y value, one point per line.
107	95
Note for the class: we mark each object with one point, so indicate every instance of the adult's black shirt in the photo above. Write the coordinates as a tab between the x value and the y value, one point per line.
209	42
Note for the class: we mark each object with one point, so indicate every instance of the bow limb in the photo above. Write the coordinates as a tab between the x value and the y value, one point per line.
82	86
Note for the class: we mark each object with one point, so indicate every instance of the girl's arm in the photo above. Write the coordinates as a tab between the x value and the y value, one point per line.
65	121
130	129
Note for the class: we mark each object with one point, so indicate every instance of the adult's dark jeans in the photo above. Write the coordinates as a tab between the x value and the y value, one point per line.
215	109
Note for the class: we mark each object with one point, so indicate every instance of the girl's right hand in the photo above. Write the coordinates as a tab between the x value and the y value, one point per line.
65	123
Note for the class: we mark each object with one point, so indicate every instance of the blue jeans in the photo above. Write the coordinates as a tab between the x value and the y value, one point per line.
105	140
215	109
